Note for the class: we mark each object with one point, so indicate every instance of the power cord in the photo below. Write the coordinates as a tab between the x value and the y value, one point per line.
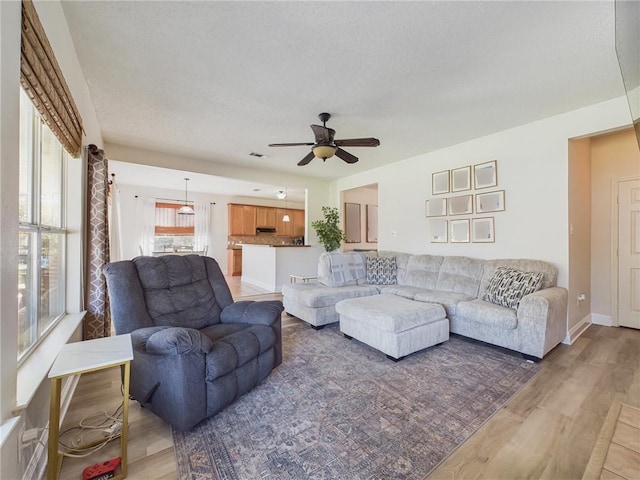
84	441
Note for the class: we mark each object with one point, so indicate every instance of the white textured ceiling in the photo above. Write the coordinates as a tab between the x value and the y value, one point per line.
218	80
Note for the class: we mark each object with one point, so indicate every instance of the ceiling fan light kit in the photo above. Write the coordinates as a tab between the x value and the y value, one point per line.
326	147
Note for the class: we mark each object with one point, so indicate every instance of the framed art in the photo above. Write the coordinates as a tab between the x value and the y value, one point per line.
436	207
438	230
490	202
483	230
440	182
485	175
461	179
462	205
372	223
459	231
352	224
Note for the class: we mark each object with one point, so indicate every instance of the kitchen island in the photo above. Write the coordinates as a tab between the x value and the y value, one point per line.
269	266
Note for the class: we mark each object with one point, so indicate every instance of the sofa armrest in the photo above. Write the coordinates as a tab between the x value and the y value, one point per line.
170	341
256	313
546	310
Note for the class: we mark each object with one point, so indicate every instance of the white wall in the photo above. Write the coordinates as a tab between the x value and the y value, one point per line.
54	23
532	169
579	232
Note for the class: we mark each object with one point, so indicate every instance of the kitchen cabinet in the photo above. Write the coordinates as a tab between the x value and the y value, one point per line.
284	229
266	217
234	262
298	223
242	219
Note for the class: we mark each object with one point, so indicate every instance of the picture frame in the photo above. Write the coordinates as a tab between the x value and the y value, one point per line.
435	207
352	225
461	205
490	202
372	223
461	179
438	230
440	182
485	175
459	231
483	230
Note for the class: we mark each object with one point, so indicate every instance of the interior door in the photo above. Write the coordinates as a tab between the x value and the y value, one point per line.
629	253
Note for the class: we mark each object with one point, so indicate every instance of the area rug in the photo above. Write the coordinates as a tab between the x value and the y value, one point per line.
338	409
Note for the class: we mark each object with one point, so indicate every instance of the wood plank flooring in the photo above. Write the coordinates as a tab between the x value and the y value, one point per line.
546	431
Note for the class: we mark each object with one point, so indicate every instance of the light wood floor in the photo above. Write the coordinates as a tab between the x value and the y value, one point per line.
547	431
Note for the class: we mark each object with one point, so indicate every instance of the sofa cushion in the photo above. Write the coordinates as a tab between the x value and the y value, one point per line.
316	295
404	291
422	271
488	314
449	300
508	286
336	269
381	270
460	275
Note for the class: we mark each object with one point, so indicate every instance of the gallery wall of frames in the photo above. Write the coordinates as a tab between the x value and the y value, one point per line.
461	199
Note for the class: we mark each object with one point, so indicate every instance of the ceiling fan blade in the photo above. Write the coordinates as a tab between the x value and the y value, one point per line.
358	142
310	156
346	156
289	144
324	135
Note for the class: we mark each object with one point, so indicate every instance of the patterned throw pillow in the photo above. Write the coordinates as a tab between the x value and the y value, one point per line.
508	286
381	270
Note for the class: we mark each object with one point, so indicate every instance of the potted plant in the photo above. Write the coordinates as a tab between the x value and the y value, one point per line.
327	230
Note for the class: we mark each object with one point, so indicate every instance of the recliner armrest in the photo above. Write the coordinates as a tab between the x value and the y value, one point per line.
170	340
257	313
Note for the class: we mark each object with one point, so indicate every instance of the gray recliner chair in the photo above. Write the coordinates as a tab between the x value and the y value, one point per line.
195	349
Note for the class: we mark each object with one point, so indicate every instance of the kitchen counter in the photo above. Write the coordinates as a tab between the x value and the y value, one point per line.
269	266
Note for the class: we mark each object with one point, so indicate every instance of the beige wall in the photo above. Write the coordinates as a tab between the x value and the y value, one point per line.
579	230
613	156
363	196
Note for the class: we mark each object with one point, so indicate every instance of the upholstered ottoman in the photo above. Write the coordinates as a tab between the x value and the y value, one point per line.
394	325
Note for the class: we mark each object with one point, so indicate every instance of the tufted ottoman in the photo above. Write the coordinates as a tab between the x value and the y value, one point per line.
394	325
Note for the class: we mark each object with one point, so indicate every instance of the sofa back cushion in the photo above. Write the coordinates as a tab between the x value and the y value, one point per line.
549	271
177	291
337	269
422	271
460	275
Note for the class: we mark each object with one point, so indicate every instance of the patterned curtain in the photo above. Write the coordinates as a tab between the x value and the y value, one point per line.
97	322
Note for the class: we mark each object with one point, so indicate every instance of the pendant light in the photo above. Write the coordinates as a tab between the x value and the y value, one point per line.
285	218
186	209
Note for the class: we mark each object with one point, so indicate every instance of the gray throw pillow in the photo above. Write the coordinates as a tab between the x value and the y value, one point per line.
508	286
381	270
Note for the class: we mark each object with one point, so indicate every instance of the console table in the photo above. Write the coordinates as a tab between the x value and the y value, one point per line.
83	357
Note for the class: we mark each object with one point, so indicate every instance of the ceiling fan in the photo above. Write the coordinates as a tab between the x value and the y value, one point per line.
326	147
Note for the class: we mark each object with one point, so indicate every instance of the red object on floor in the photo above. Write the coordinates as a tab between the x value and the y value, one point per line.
102	470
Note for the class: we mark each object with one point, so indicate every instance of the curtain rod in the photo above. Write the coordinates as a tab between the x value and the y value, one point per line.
171	199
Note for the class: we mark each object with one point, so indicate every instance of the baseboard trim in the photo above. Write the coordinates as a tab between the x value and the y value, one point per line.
37	466
599	319
578	330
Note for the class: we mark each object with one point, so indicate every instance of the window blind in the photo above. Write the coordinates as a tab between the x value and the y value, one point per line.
43	81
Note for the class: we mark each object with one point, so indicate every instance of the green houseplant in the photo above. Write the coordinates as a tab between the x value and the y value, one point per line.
329	234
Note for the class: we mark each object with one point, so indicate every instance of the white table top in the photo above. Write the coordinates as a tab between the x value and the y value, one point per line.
89	355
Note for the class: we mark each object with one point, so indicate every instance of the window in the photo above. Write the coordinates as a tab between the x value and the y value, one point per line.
41	265
173	232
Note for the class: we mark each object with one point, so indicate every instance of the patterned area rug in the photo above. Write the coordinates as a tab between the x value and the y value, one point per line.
338	409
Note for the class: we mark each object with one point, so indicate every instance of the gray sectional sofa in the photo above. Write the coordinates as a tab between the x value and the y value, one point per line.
460	284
